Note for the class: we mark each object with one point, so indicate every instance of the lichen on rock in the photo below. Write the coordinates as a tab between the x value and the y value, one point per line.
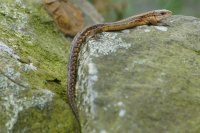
150	86
32	53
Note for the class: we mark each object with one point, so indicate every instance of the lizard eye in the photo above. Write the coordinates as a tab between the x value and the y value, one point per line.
162	13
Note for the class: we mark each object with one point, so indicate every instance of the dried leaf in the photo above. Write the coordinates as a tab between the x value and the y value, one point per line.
66	15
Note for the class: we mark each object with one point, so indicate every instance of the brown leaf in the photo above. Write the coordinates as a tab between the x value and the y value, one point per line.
66	15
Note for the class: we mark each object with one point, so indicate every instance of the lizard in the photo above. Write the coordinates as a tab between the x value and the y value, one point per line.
151	17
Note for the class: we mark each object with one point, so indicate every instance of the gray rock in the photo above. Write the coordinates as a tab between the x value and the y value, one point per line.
142	80
90	13
32	52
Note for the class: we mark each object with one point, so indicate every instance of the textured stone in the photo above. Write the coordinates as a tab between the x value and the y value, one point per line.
33	53
142	80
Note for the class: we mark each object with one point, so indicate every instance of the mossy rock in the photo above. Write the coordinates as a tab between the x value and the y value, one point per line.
142	80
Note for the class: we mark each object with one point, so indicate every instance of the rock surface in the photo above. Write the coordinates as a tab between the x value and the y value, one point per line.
90	13
140	80
32	71
143	80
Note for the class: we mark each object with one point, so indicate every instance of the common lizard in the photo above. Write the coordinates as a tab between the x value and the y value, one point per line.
151	17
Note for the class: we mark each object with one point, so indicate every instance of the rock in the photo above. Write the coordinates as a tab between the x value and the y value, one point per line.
90	13
32	71
142	80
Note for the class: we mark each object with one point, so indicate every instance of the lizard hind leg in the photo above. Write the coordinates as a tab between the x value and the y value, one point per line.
157	23
153	22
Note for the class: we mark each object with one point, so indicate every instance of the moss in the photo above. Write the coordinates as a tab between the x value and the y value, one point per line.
40	43
27	28
47	119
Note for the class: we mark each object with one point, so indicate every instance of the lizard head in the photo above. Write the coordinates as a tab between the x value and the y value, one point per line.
160	14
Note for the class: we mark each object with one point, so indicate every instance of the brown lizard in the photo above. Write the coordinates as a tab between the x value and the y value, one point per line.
151	17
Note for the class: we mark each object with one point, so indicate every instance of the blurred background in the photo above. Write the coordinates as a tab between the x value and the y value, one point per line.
113	10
